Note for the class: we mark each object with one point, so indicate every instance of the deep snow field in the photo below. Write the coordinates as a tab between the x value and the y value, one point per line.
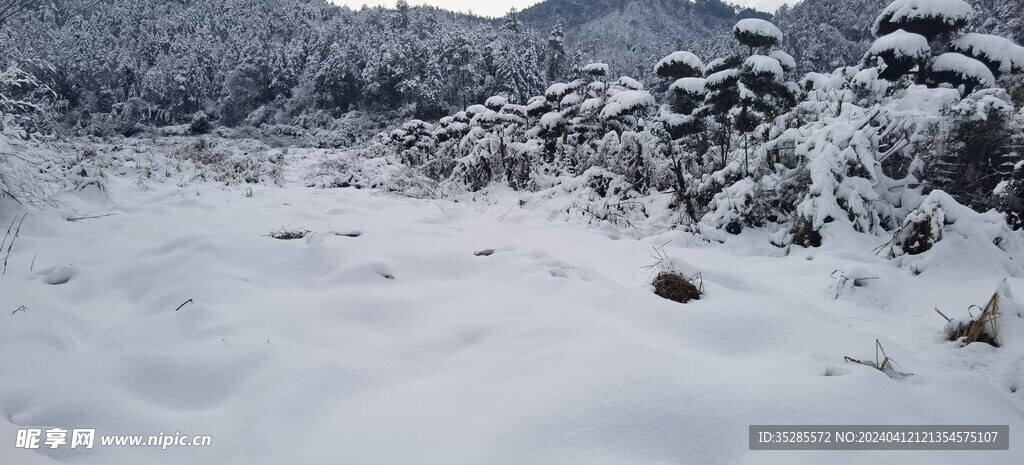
401	346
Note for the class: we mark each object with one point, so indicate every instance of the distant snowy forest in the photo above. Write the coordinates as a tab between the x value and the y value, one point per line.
865	115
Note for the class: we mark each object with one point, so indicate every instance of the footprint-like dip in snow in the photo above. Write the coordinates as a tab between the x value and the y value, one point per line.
58	275
363	274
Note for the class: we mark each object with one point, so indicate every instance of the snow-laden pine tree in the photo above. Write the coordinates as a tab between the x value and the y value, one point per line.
555	56
516	61
746	93
918	114
922	42
683	136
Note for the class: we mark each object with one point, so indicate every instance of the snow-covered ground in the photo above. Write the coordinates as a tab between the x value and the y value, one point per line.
403	346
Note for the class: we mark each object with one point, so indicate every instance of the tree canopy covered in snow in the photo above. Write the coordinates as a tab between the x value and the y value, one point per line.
742	143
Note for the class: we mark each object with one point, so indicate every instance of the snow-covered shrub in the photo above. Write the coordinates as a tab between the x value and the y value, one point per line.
595	69
633	160
929	18
740	205
87	169
756	33
603	196
362	171
942	228
414	142
900	52
980	153
678	65
999	54
474	170
868	87
24	103
200	124
1010	197
230	162
24	115
960	71
21	179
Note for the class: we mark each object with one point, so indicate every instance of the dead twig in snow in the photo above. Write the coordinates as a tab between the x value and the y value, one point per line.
88	217
189	301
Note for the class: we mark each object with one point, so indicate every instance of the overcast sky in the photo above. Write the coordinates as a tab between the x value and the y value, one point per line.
500	7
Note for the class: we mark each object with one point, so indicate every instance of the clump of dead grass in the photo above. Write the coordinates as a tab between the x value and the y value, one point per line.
676	287
286	234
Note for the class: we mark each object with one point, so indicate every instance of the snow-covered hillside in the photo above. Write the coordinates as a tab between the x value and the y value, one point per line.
493	329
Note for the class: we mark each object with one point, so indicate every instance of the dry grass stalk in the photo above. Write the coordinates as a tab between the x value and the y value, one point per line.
984	328
885	364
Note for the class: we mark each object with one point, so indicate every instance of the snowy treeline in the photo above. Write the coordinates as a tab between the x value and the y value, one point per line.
741	142
114	66
629	35
825	34
289	65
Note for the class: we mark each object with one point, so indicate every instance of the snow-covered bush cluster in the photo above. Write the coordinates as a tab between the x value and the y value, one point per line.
24	105
361	170
743	143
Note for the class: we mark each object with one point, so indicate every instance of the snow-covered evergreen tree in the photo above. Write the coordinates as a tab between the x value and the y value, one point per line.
555	56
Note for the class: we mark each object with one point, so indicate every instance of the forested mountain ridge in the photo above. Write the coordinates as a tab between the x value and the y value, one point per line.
631	34
820	34
114	65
